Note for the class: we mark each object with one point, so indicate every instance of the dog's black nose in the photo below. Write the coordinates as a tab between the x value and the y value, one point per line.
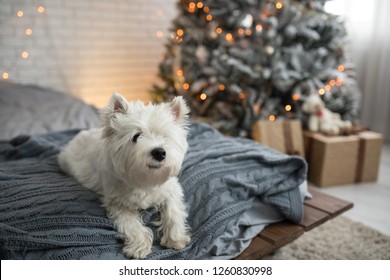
158	154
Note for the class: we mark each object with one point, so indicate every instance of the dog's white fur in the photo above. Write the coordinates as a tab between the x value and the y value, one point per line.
322	119
116	161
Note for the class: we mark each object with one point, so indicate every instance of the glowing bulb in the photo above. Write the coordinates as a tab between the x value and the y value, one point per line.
241	31
191	5
328	87
221	87
203	96
41	9
25	54
28	32
180	32
321	91
5	75
209	17
279	5
218	30
229	37
206	9
248	32
271	118
180	73
341	68
186	86
20	13
259	27
288	108
332	83
159	34
296	96
199	5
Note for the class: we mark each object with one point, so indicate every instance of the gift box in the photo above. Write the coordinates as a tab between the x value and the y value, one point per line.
285	136
337	160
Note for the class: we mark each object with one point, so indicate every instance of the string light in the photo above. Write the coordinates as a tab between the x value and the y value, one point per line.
341	68
209	17
328	87
191	7
203	96
288	108
186	86
180	32
241	31
180	72
279	5
221	87
271	118
206	9
218	30
199	5
159	34
25	54
28	32
321	91
296	96
259	27
248	32
229	37
332	83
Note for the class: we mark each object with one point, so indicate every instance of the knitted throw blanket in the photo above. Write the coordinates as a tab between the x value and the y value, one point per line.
45	214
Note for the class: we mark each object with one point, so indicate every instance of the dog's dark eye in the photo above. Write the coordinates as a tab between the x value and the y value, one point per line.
135	137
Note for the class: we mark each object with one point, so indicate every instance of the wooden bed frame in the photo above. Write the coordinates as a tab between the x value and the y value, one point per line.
319	209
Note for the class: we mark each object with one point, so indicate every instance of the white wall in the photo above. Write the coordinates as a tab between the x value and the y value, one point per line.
368	24
86	48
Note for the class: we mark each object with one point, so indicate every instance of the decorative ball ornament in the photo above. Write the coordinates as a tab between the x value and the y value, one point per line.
290	31
247	21
202	54
269	50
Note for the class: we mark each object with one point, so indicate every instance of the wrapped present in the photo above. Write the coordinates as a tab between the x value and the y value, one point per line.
337	160
285	136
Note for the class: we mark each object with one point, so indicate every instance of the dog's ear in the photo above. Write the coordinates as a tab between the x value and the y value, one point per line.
180	109
116	105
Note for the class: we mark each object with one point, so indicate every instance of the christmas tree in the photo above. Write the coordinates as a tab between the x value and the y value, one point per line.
239	61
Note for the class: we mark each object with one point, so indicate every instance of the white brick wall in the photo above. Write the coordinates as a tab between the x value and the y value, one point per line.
85	48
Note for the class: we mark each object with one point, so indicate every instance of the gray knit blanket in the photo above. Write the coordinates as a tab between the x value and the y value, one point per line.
233	188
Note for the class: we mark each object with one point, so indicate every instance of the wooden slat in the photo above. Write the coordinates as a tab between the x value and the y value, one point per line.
327	203
256	250
281	233
313	217
317	210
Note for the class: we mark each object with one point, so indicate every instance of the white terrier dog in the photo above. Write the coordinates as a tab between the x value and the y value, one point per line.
132	162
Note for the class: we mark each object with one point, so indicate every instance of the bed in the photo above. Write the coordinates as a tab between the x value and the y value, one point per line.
234	188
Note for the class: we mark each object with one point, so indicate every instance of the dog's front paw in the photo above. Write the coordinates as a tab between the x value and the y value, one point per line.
137	251
177	242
